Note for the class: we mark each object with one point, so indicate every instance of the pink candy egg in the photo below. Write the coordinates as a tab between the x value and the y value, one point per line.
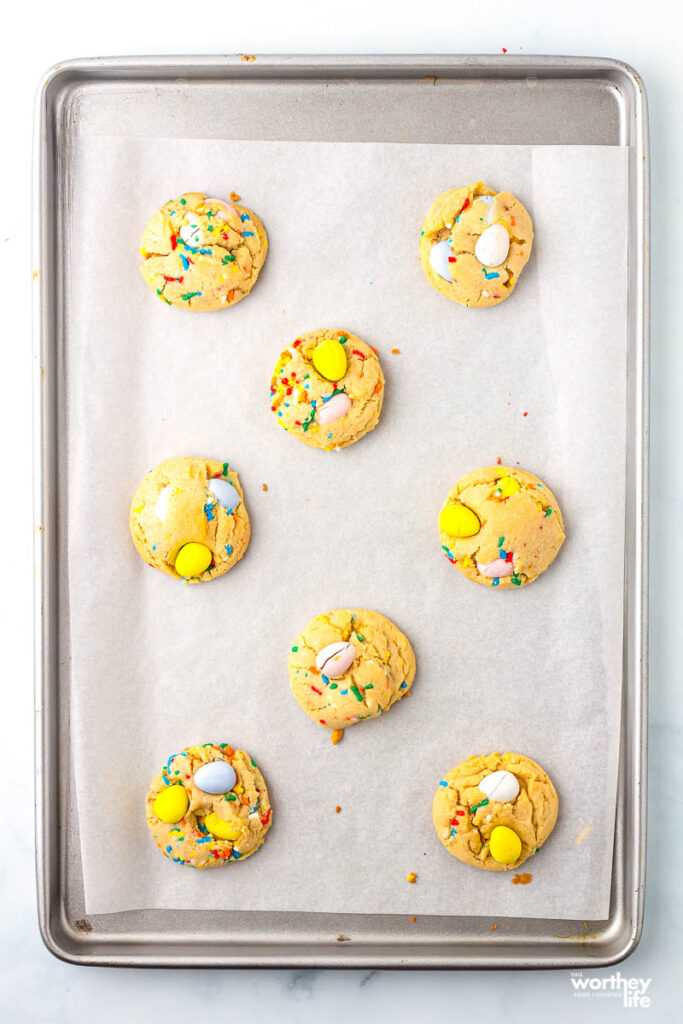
333	409
335	659
497	568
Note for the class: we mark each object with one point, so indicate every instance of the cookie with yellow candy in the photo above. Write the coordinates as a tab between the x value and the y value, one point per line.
327	389
474	244
493	811
501	526
188	519
347	666
202	254
208	806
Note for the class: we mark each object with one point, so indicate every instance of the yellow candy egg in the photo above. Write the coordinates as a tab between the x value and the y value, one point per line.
193	559
171	804
222	829
329	359
506	486
505	845
458	521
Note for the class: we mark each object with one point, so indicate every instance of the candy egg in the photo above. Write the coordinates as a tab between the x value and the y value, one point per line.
492	246
191	233
489	200
506	486
439	259
193	559
225	494
333	409
215	777
335	659
459	521
222	212
171	804
501	786
505	845
497	568
329	359
222	829
161	504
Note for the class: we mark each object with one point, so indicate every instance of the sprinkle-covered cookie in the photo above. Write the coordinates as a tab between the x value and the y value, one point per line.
327	389
493	811
203	254
475	243
348	666
208	806
501	527
188	519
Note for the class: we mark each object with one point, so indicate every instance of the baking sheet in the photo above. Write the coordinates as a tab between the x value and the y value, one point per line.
157	666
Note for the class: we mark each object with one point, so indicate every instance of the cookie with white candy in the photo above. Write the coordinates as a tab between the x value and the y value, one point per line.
475	243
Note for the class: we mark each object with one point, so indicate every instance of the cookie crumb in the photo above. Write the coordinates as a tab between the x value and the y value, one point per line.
336	736
248	57
343	938
264	487
492	927
235	197
583	834
83	925
395	351
413	919
412	878
36	273
337	809
521	879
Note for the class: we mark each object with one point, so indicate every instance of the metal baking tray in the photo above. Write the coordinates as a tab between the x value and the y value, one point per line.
466	99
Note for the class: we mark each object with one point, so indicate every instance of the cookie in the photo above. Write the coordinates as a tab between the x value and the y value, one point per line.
208	806
501	526
474	244
327	389
495	810
348	666
203	254
188	519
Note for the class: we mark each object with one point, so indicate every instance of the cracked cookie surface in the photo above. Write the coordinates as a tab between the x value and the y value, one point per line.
241	812
202	254
382	670
175	506
301	397
464	817
455	223
518	527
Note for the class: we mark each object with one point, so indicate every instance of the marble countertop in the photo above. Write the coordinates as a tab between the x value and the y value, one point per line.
35	987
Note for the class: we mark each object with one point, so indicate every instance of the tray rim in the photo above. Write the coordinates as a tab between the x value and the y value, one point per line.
60	937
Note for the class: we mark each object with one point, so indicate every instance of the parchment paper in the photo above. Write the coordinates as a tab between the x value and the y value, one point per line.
538	380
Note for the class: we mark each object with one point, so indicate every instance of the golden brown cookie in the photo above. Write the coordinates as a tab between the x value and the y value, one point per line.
188	519
347	666
327	389
474	244
208	806
501	526
203	254
494	810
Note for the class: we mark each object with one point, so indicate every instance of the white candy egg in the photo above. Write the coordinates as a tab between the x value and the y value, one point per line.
438	259
161	504
501	786
335	659
225	494
191	233
215	777
493	246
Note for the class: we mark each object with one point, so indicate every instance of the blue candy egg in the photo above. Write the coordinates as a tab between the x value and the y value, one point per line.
438	259
215	777
225	494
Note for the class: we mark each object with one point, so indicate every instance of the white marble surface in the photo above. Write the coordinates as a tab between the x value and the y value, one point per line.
34	987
